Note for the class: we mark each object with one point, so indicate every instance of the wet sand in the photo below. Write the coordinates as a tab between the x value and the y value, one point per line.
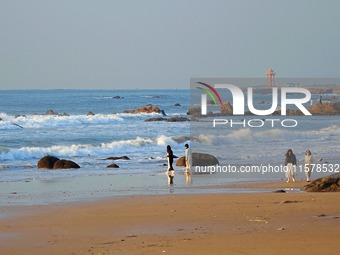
279	185
94	188
255	223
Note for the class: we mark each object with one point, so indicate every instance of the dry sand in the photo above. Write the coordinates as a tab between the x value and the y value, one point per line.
256	223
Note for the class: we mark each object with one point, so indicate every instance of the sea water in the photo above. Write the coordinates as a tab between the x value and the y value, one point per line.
27	134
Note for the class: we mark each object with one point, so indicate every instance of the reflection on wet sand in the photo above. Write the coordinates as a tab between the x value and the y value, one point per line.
188	180
171	175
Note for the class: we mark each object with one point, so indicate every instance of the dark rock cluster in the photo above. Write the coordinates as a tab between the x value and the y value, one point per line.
51	162
146	109
329	183
199	159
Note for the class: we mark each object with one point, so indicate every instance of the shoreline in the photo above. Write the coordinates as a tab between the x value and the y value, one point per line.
94	188
248	223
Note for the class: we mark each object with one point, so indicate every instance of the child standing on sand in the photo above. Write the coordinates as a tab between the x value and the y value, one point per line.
308	164
290	164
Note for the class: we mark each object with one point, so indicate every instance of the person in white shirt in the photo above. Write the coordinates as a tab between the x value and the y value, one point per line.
188	158
308	164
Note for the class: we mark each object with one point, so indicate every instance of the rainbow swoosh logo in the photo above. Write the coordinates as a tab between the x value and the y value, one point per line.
208	92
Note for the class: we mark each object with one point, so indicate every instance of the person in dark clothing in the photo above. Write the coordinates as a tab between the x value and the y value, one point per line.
290	164
170	157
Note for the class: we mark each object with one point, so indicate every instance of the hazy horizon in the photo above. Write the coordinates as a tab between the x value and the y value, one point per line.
159	44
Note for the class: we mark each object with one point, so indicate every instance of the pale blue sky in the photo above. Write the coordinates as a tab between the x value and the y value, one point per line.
113	44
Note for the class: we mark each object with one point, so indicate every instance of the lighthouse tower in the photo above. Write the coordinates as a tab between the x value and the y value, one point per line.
270	78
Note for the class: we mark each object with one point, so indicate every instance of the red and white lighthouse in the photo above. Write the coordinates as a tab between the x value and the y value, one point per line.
270	78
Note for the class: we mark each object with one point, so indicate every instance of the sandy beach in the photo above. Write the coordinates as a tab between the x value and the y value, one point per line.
169	127
253	223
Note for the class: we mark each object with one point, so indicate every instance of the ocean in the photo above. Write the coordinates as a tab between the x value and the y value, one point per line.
27	134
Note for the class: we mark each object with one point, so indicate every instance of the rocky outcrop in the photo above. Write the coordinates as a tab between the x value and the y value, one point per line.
199	159
47	162
118	158
336	106
172	119
146	109
329	183
113	166
177	104
51	112
90	114
180	161
177	119
65	164
155	119
51	162
226	108
328	109
323	109
202	159
194	111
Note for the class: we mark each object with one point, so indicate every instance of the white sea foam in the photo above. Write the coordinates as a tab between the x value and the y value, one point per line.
88	139
44	121
131	146
253	146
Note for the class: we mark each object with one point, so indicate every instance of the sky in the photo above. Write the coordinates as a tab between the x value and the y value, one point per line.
129	44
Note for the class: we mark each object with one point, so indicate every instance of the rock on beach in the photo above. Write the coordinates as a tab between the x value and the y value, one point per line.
51	162
118	158
329	183
113	166
146	109
47	162
65	164
199	159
